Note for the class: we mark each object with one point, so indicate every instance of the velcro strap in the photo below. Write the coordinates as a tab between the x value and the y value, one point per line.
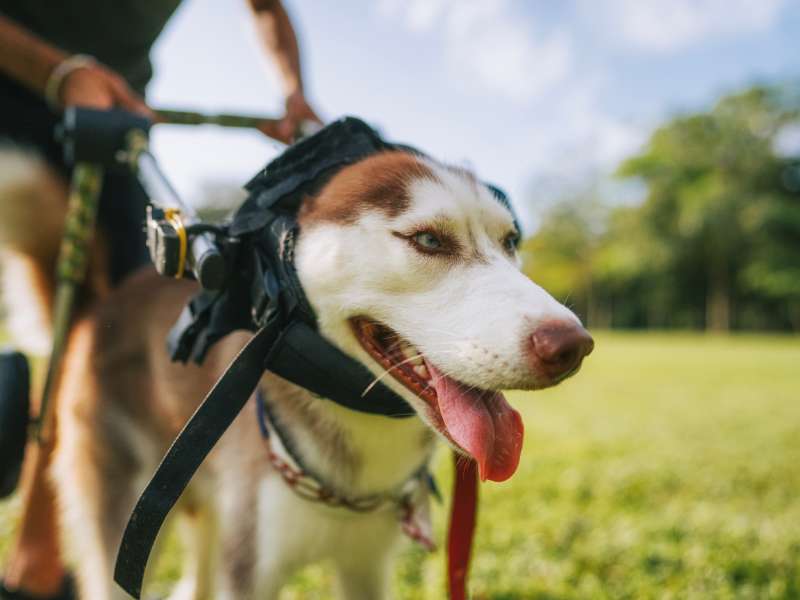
304	357
199	435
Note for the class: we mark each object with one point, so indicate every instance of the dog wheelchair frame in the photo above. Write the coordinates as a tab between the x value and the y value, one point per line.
179	244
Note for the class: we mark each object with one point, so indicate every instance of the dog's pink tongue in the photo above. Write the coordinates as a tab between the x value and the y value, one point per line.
482	423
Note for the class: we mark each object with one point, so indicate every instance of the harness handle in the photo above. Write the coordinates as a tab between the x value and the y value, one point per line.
186	117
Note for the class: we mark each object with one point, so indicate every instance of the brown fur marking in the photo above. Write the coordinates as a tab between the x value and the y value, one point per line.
377	183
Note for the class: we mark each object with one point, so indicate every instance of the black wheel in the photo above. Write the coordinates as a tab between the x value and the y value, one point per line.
14	414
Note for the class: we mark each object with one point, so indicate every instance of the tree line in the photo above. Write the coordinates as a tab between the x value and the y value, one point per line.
715	244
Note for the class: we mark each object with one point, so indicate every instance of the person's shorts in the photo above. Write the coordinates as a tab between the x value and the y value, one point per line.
26	120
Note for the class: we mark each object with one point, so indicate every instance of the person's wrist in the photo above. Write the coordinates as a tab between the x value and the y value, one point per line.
60	73
293	90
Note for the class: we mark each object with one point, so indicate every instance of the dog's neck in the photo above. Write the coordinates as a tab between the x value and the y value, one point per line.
354	453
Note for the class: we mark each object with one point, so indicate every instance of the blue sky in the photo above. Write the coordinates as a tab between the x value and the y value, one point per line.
532	94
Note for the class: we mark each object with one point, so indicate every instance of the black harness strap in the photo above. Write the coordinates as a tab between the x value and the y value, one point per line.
282	351
187	452
331	374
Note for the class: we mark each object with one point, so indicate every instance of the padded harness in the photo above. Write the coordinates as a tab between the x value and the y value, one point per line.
264	295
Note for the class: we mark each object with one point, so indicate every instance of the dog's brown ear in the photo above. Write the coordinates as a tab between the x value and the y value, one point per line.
380	182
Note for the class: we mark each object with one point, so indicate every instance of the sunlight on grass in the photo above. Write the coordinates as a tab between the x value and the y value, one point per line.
669	468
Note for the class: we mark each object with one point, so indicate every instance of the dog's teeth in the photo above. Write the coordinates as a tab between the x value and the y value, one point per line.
422	371
408	351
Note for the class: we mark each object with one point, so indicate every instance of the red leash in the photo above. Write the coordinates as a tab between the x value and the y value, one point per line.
462	525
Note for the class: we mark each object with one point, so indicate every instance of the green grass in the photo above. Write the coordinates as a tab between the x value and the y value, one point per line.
669	468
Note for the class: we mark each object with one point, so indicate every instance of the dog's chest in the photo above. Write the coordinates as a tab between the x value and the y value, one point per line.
293	532
365	454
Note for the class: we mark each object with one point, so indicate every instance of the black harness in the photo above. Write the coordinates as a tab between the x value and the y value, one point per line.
262	295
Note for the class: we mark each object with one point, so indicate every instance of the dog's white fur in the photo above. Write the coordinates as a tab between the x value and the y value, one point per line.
31	220
121	401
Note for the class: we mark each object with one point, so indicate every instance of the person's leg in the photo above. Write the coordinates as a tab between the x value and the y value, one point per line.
34	567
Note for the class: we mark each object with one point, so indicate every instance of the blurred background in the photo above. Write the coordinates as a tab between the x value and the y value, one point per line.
652	150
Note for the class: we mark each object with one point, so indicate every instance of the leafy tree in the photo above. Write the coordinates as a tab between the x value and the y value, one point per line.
716	242
560	257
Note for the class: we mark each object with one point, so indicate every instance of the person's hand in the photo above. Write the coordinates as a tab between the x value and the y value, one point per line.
297	111
96	86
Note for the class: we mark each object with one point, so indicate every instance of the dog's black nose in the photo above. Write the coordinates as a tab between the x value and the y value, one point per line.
560	347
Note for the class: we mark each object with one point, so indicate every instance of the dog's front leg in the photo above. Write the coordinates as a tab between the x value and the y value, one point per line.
365	582
197	528
259	535
364	569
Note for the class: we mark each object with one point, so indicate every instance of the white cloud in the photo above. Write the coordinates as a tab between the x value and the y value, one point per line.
669	25
420	15
488	42
576	134
571	146
564	136
787	142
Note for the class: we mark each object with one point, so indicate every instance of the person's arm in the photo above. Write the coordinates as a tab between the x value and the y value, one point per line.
32	62
26	58
280	42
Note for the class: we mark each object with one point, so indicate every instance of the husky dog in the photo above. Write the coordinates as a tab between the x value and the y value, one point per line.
411	268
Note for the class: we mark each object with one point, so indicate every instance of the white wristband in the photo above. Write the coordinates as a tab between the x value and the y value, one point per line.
57	76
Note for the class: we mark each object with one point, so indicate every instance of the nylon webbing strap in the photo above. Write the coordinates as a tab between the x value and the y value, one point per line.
199	435
463	515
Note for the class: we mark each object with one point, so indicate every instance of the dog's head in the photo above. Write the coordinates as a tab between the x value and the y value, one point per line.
411	267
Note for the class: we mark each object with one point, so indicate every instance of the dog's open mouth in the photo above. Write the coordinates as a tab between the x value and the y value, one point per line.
480	422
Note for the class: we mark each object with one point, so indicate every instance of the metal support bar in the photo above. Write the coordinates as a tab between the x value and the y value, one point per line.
73	259
203	257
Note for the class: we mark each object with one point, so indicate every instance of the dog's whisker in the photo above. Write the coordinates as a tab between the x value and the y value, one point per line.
387	372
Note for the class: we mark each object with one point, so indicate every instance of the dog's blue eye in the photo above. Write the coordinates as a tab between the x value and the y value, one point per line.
510	242
427	240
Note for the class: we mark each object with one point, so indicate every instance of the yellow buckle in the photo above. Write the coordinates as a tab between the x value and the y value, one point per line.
173	215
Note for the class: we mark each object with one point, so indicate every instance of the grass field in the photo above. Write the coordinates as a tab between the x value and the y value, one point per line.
669	468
